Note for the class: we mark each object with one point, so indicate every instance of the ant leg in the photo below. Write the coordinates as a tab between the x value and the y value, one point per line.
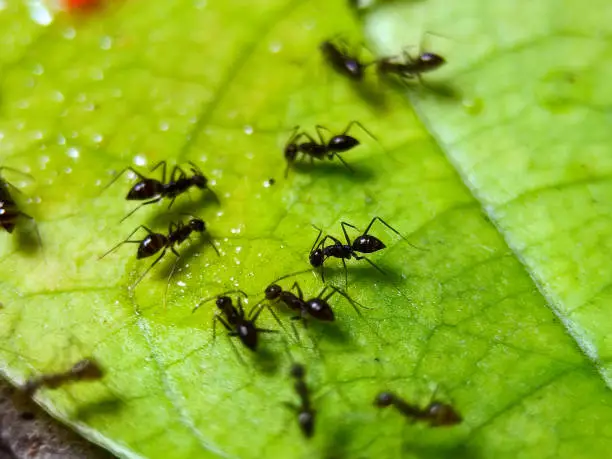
361	126
12	169
343	162
274	315
165	302
350	300
152	201
195	168
163	165
371	263
392	229
298	289
129	168
318	128
149	268
126	240
344	225
320	232
210	242
171	202
345	273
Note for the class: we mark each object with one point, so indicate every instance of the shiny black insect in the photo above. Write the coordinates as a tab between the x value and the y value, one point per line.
305	412
156	242
321	149
337	55
410	67
9	211
234	319
364	243
437	414
155	190
83	370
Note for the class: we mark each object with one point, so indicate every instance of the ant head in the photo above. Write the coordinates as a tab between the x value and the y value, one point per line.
306	420
291	151
199	180
367	243
247	332
297	370
273	291
316	258
151	244
431	60
320	309
443	414
384	399
197	224
144	189
343	142
224	303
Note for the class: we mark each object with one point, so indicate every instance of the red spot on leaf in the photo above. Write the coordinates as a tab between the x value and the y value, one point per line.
81	4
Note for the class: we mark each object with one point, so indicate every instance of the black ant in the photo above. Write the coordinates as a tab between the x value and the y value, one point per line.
341	61
83	370
410	67
320	150
154	242
236	322
155	190
437	414
364	243
306	413
9	211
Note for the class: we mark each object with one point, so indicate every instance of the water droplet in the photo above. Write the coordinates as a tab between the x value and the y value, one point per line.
275	47
1	135
106	42
473	106
199	4
69	33
248	130
23	104
2	4
38	69
97	138
163	126
220	213
181	284
68	170
97	75
140	160
73	152
57	96
238	249
235	230
39	12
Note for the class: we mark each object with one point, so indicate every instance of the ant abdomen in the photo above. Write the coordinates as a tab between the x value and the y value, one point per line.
151	244
368	244
441	414
342	143
320	309
144	189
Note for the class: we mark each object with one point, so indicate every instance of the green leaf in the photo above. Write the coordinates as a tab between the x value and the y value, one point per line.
505	186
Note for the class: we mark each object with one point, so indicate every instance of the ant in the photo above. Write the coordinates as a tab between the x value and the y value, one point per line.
305	411
320	149
154	242
9	212
155	190
437	414
236	322
410	67
341	61
364	243
83	370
